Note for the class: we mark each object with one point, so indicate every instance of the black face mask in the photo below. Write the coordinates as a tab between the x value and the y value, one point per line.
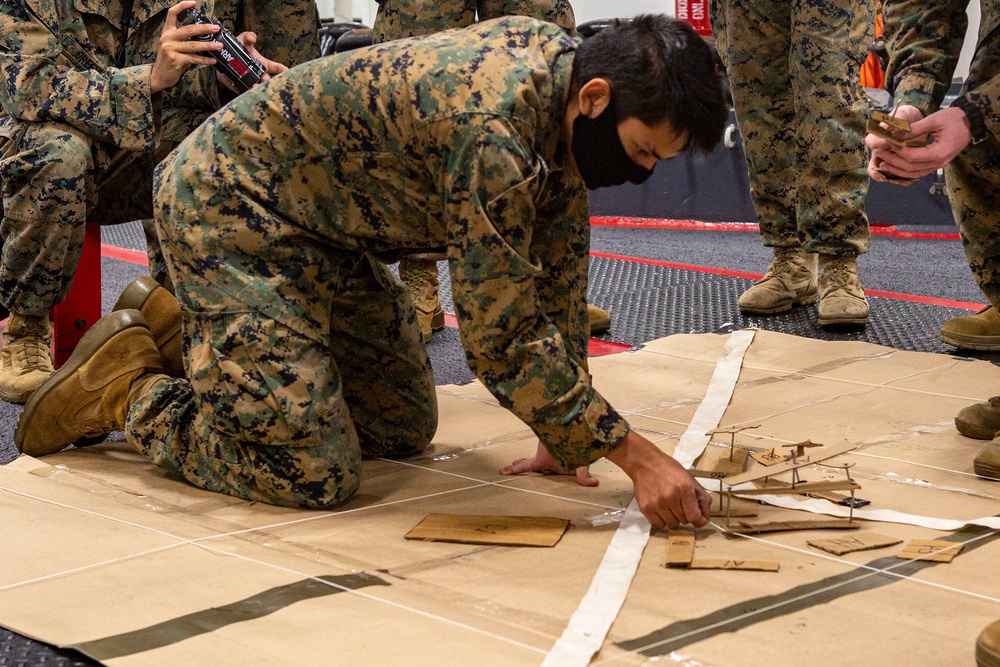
599	153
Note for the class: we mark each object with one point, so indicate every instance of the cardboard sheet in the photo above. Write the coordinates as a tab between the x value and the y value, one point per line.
108	554
517	531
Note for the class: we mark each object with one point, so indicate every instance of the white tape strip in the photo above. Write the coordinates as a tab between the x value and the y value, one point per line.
599	608
592	620
817	506
720	393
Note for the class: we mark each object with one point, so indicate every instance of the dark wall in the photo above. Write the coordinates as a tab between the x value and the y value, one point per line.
715	188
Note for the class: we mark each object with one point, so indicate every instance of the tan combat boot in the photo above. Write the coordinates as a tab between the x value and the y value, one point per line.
790	280
25	358
974	332
421	277
841	299
114	364
600	320
980	421
987	462
988	646
162	313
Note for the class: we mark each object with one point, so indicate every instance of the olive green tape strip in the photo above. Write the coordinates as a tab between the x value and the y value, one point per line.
208	620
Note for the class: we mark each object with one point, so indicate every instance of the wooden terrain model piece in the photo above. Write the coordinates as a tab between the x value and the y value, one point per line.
680	554
761	477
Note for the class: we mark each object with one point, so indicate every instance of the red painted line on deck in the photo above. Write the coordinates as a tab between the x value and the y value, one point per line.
597	347
124	254
697	225
934	301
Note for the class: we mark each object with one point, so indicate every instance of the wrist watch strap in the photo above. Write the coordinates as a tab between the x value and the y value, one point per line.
977	125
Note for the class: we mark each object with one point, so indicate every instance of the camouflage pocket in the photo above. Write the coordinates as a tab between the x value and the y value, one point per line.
258	381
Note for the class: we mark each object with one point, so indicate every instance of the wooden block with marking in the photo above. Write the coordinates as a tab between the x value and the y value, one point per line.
862	540
524	531
939	551
771	457
716	460
734	564
778	526
680	549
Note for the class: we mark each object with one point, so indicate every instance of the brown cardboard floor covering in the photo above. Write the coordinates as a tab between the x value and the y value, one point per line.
108	554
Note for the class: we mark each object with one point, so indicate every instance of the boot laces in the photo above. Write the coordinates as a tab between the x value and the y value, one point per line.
786	261
32	354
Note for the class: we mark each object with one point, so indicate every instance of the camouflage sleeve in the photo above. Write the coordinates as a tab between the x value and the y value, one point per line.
981	91
46	79
491	180
924	39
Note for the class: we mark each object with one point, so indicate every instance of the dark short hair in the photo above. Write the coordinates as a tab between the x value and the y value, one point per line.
659	69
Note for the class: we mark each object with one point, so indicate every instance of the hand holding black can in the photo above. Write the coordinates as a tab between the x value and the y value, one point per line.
233	60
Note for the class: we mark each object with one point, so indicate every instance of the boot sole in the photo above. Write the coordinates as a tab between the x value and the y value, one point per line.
980	343
842	321
972	431
987	471
437	323
600	326
98	335
783	308
17	396
986	657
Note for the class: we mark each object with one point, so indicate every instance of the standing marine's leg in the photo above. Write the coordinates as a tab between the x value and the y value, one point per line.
754	40
554	11
45	170
795	96
287	30
830	41
973	179
399	19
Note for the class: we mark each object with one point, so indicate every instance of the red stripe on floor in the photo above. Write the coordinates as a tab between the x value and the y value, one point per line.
602	347
597	347
676	265
934	301
697	225
124	254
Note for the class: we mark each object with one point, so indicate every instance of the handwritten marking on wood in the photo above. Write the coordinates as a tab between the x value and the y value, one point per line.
680	548
862	540
771	457
733	564
526	531
938	551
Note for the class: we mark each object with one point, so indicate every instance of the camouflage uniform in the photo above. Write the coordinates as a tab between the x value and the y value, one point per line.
287	30
80	130
795	69
303	351
925	39
398	19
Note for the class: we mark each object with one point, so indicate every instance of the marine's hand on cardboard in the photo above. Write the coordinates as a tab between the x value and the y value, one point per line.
249	39
175	54
542	461
667	495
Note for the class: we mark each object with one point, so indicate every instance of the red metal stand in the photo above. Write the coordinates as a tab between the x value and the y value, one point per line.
82	307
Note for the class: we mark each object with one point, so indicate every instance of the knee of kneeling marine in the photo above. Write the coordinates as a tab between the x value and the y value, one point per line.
400	443
324	482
